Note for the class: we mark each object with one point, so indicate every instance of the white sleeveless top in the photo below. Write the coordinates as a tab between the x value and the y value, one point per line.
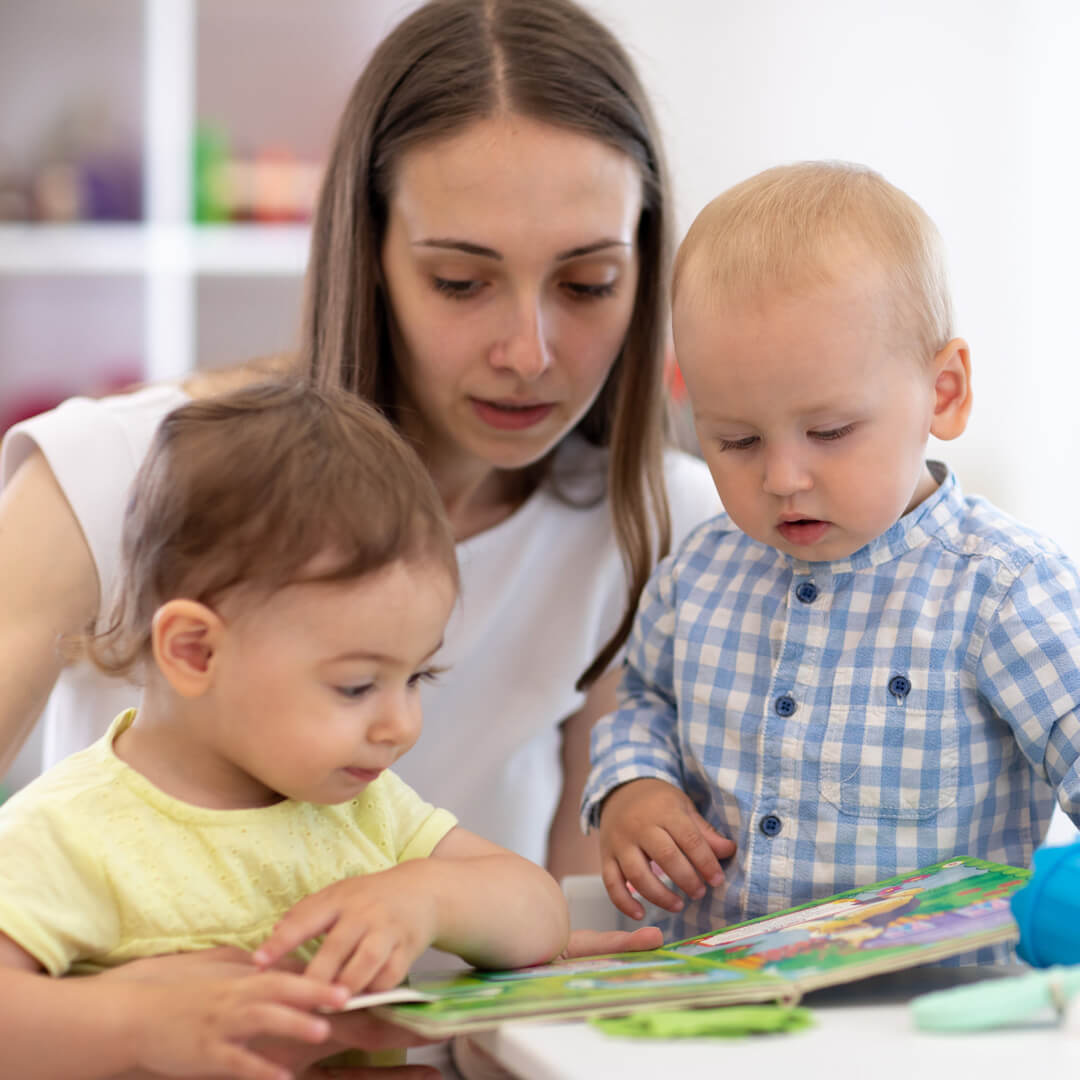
541	593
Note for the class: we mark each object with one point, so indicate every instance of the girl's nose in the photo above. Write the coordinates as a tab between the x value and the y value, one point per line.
398	722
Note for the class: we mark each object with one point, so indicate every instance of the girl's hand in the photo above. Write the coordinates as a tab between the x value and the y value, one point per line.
202	1026
602	942
376	925
650	821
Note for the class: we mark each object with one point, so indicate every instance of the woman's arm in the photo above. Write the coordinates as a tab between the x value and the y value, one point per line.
48	586
569	851
96	1028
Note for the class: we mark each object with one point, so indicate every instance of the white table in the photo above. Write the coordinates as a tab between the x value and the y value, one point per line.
863	1031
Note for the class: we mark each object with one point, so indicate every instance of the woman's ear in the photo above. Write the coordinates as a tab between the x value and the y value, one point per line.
952	390
186	636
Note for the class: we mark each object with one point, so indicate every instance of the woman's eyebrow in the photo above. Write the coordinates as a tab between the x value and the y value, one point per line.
469	248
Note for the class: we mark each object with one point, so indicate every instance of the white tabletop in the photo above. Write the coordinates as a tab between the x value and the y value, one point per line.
862	1031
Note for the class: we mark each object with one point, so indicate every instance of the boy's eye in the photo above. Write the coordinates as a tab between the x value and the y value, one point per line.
737	444
353	692
832	433
457	288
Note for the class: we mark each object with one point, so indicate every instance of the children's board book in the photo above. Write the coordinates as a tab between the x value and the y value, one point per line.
949	908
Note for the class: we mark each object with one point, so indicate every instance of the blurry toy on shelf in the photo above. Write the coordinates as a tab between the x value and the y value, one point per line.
270	186
85	170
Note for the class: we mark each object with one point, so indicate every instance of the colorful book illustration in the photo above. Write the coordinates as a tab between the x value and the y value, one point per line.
950	908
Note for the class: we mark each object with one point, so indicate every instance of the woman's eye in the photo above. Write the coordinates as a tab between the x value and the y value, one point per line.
583	290
457	288
353	692
832	433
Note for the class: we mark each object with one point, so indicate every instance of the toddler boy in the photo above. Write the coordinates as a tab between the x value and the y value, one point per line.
856	670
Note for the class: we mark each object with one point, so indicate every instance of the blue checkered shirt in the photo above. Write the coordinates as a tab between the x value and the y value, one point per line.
845	721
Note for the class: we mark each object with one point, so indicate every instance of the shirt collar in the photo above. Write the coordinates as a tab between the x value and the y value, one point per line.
931	516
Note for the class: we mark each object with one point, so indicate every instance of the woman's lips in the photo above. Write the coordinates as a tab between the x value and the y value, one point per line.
508	417
803	532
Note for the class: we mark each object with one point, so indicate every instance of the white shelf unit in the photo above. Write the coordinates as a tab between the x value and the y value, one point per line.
280	71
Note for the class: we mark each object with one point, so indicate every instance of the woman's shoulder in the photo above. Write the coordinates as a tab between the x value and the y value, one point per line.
89	434
692	496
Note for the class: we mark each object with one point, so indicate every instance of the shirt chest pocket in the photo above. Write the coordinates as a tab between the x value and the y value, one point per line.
894	755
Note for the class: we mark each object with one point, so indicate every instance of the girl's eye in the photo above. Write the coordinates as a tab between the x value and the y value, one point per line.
427	675
457	289
583	290
351	693
737	444
832	433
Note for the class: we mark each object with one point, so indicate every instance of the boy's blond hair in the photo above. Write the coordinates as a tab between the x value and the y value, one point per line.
804	225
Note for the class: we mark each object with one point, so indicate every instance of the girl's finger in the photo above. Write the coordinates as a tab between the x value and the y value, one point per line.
299	925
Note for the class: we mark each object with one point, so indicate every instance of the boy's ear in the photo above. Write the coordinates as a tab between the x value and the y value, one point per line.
952	390
186	636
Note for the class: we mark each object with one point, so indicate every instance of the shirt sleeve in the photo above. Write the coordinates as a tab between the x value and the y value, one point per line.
418	826
1029	672
640	739
53	900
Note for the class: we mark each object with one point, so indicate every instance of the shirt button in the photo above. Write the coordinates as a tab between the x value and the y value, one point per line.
784	705
770	825
807	592
899	686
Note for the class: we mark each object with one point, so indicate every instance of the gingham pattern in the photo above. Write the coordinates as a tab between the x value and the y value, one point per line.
977	612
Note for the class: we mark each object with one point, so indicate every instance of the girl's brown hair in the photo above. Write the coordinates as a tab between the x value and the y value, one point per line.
249	488
447	65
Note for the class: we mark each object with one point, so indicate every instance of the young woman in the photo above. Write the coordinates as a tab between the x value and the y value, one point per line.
488	266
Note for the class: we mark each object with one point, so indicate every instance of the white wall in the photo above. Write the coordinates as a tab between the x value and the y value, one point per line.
970	106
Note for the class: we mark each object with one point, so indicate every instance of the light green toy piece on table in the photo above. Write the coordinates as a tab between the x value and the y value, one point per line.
998	1002
727	1021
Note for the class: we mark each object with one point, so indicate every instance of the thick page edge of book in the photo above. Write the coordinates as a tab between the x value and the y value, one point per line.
748	986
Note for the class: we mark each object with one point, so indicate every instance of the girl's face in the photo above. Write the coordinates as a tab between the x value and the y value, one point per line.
511	267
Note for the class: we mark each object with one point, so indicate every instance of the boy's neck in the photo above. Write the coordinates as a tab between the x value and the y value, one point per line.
926	487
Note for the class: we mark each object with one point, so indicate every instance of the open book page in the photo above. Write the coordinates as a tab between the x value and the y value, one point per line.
917	918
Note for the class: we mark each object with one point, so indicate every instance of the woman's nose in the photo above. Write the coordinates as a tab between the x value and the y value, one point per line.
525	349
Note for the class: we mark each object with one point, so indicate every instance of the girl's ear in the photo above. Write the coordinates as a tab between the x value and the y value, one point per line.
952	390
186	636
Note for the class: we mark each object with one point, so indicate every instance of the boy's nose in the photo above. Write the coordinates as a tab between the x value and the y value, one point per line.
785	472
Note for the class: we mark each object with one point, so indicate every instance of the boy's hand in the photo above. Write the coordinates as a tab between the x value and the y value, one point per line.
376	925
650	821
202	1026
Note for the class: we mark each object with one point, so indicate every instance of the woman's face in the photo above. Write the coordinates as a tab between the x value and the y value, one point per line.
511	266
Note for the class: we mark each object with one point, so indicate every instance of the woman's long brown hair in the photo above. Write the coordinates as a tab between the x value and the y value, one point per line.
447	65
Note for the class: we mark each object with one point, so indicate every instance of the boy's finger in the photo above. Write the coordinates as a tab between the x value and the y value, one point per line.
695	846
615	883
722	846
302	992
639	874
669	858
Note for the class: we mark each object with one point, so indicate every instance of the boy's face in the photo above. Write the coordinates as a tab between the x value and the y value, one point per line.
317	689
813	424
